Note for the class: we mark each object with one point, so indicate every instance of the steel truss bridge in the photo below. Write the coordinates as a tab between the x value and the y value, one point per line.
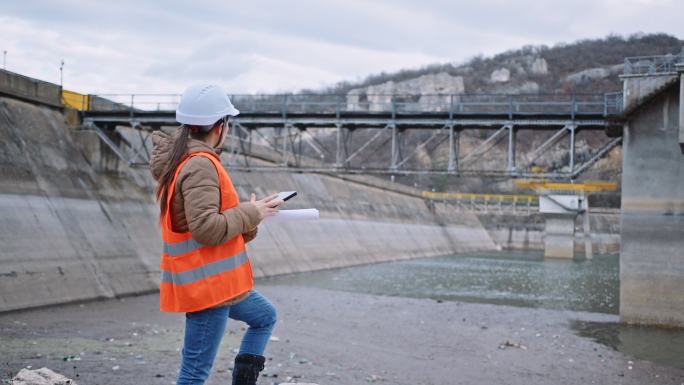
276	128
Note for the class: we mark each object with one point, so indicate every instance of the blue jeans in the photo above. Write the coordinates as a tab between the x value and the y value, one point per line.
204	330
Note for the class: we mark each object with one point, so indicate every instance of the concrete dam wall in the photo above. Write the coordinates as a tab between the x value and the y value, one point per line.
71	230
67	232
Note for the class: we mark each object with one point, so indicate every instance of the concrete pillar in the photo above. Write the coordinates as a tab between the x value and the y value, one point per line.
588	247
451	166
652	213
680	68
559	236
338	146
511	149
285	132
559	213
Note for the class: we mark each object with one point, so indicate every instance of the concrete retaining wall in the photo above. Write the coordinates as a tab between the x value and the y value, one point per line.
518	232
33	90
66	232
71	230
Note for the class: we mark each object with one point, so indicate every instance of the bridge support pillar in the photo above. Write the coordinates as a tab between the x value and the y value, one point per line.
573	130
559	236
588	247
453	149
681	108
560	212
511	149
652	209
338	146
395	148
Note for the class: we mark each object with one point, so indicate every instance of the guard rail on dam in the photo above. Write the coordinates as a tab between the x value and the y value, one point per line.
289	119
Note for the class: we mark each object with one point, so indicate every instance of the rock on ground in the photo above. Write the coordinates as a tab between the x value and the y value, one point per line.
42	376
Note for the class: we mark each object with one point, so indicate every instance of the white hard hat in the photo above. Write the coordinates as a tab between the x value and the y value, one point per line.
204	104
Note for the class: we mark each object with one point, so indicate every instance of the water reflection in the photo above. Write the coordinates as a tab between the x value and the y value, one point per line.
664	346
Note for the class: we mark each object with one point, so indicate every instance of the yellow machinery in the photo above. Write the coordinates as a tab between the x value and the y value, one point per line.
75	100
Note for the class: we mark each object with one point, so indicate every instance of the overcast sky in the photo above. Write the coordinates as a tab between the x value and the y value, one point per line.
253	46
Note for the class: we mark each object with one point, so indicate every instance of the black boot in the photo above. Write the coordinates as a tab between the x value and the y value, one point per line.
247	368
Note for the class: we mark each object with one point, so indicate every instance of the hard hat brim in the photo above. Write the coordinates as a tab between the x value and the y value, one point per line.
205	120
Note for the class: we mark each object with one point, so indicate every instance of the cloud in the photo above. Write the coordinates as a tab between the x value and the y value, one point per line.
272	46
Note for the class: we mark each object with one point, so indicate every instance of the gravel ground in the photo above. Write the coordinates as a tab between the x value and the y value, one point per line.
329	337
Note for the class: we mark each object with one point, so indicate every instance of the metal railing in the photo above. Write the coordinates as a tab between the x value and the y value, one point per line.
653	65
395	104
613	103
486	203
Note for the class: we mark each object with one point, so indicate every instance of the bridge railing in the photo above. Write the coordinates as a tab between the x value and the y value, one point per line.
497	203
653	65
454	104
134	102
613	103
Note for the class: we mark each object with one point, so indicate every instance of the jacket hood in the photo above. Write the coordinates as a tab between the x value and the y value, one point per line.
162	146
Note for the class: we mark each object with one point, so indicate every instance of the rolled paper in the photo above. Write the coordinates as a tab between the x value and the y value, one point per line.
293	215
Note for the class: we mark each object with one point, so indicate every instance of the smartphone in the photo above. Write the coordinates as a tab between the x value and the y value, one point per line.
285	195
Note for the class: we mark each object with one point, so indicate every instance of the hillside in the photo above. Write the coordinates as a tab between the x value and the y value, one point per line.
586	66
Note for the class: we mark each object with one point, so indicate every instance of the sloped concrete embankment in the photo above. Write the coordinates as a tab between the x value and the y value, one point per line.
74	228
66	232
359	224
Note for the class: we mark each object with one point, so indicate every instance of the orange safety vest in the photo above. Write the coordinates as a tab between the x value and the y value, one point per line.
195	276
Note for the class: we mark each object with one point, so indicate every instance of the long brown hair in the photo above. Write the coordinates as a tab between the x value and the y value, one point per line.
178	154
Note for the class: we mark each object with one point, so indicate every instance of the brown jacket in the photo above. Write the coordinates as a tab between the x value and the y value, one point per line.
195	205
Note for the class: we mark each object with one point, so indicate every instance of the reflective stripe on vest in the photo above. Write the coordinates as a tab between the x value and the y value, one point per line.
204	271
196	276
182	247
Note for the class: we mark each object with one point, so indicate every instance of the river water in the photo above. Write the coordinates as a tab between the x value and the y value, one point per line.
510	278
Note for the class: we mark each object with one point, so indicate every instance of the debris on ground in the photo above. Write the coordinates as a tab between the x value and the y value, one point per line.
42	376
512	344
373	378
297	383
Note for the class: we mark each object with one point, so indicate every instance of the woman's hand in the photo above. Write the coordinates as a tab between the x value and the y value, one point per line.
267	206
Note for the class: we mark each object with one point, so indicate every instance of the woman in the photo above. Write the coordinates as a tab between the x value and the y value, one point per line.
205	271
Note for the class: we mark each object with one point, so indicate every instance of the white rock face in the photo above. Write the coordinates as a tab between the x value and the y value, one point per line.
500	76
427	92
528	87
539	66
617	69
42	376
588	75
